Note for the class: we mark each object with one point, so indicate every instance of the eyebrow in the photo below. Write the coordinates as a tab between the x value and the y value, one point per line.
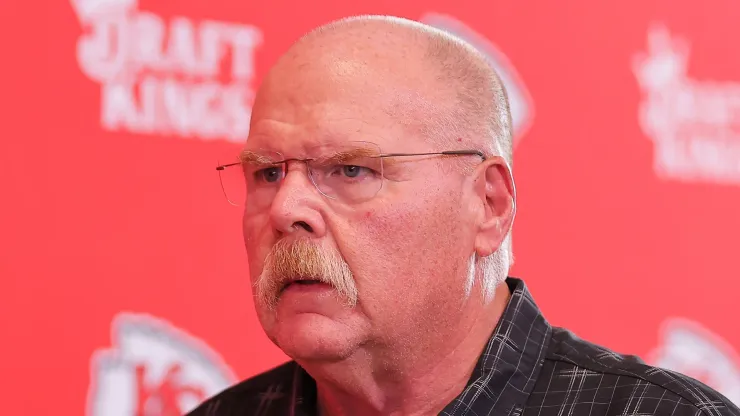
247	156
346	155
254	158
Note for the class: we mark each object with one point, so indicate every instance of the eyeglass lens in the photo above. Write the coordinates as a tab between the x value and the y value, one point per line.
348	173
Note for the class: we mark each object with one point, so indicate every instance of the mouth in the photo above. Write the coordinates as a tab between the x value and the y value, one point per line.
301	282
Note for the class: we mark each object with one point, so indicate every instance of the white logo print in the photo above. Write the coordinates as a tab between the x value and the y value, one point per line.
520	102
153	368
689	348
174	77
694	124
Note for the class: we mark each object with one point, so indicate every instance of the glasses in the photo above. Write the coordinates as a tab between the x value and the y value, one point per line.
350	173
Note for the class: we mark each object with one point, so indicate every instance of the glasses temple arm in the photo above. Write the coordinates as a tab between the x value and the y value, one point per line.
222	167
447	153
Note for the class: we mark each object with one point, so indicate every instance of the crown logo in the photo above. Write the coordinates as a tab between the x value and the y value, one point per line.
665	61
88	10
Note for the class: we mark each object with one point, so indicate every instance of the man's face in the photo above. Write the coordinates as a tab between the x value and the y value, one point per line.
400	256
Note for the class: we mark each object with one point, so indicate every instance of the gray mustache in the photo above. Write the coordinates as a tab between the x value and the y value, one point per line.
289	260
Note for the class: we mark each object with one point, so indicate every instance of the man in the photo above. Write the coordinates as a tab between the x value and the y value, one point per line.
378	207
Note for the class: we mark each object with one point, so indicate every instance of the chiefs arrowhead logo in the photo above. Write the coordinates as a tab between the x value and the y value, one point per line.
520	102
153	368
689	348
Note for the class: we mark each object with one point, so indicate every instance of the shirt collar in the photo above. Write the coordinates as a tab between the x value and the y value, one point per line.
510	364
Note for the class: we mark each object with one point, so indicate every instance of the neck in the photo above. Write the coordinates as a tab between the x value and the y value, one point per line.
393	380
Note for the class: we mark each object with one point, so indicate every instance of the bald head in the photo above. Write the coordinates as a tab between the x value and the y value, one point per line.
441	88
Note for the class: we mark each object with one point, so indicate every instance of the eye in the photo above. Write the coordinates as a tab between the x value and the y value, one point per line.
343	172
352	171
269	175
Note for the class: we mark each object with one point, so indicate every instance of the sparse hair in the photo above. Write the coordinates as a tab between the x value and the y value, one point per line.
481	111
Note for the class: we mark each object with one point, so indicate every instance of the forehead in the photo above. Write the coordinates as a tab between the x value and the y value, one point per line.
321	135
331	104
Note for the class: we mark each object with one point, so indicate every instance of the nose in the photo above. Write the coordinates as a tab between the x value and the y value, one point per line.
297	206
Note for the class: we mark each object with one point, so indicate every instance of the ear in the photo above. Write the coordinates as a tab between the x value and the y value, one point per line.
496	191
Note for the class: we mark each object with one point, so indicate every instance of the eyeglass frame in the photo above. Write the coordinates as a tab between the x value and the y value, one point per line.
463	152
467	152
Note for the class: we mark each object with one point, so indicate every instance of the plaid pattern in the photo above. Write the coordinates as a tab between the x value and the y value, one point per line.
528	368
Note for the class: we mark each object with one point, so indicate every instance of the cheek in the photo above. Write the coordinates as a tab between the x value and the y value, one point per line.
417	227
257	242
413	247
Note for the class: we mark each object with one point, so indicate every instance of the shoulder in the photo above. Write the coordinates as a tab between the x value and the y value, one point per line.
582	374
265	389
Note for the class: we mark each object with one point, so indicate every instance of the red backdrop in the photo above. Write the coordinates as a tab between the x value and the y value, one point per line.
124	282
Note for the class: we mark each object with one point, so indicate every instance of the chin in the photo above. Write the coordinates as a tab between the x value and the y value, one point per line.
314	337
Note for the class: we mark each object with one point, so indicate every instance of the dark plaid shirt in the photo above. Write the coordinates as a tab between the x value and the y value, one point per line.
528	368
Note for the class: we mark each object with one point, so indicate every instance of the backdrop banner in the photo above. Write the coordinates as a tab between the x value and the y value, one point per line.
125	289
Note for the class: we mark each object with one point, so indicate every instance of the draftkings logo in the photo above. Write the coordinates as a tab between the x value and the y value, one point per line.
694	124
689	348
175	77
153	369
520	102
